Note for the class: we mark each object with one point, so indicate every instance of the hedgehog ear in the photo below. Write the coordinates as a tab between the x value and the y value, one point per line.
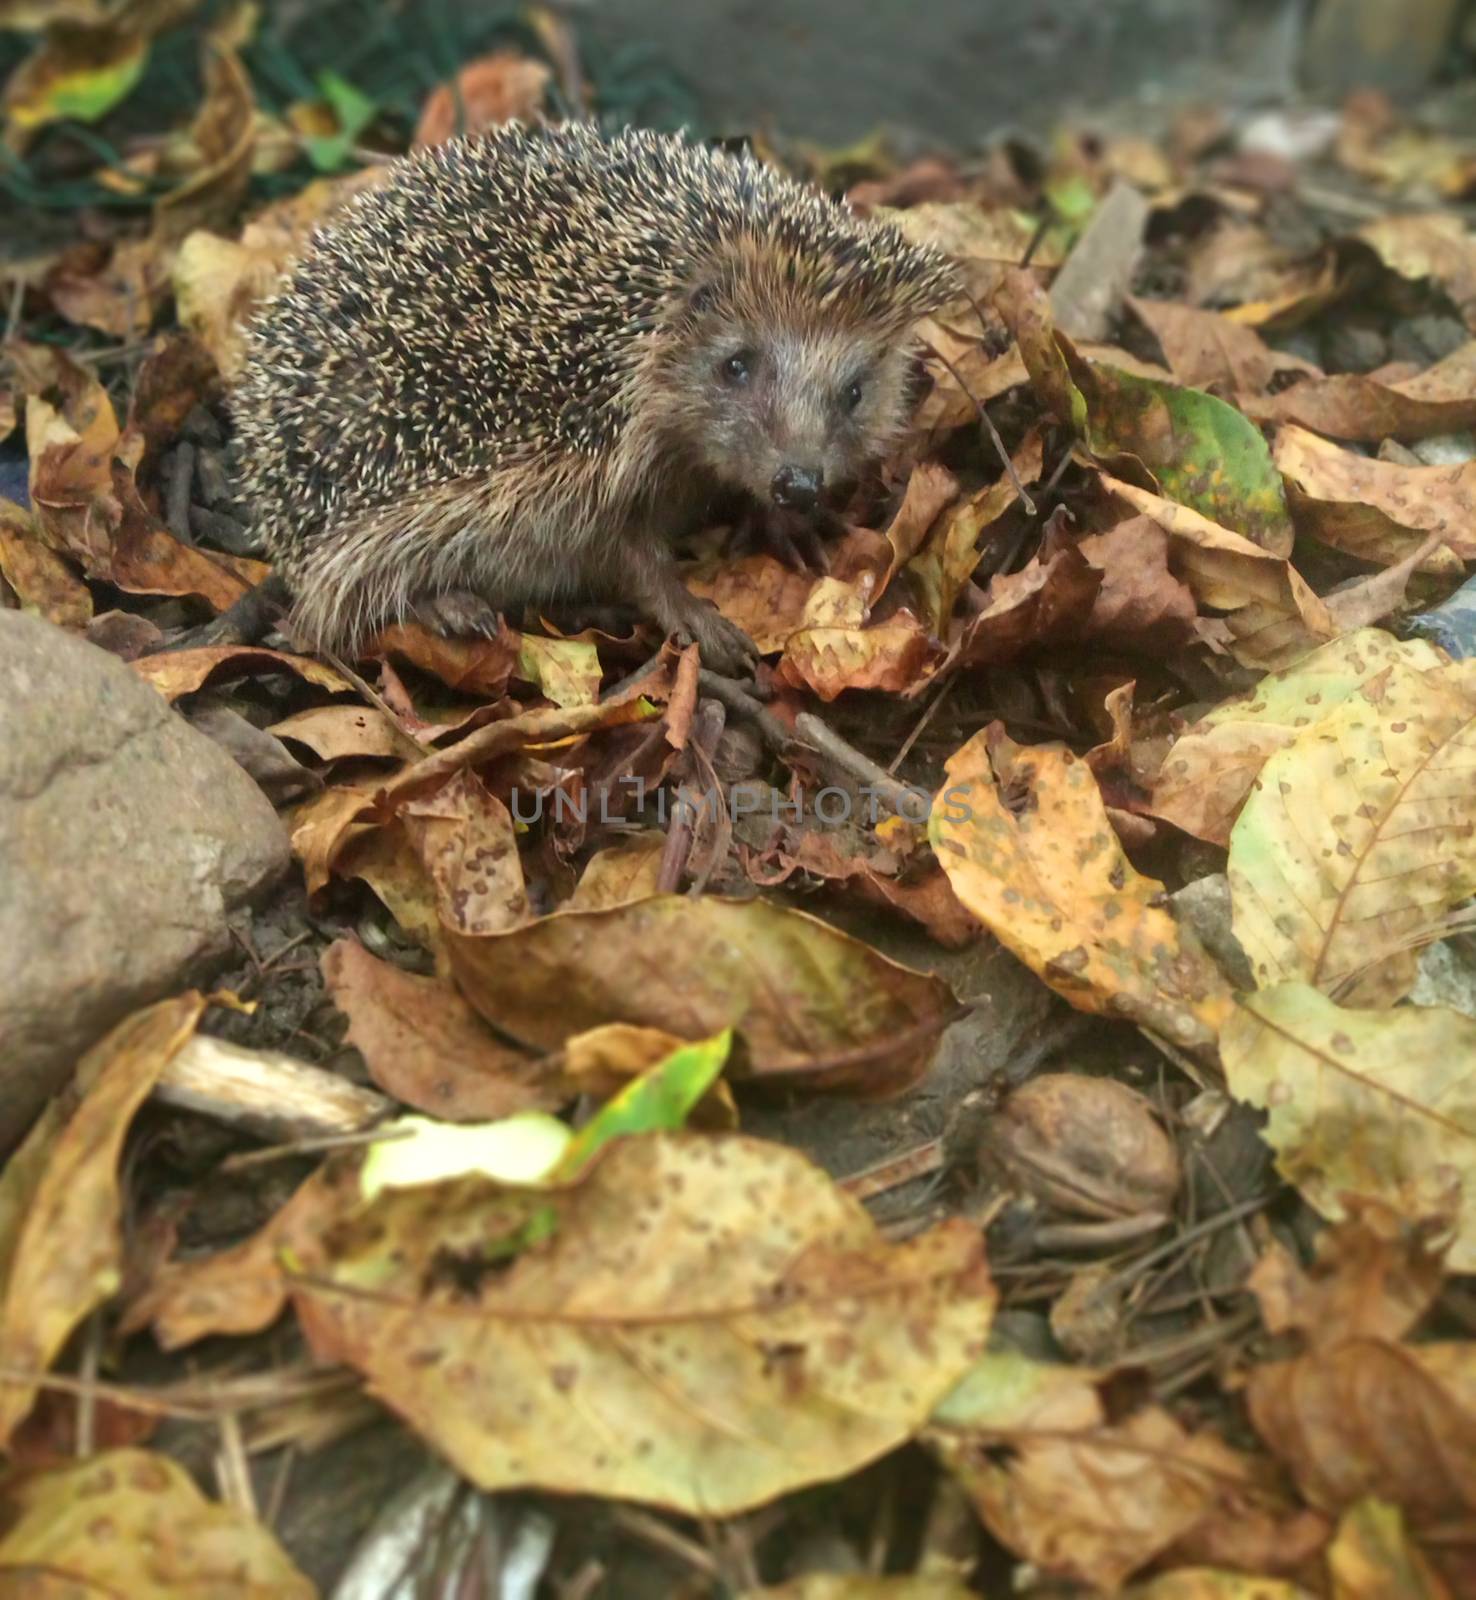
703	298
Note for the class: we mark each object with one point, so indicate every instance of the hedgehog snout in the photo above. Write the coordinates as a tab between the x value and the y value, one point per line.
796	488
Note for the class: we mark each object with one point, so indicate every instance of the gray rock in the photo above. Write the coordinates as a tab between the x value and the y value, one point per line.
126	839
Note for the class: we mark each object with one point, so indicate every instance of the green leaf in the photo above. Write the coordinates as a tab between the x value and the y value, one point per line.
660	1098
1202	452
352	109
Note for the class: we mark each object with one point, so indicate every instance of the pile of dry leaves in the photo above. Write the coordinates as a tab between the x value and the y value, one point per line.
1133	699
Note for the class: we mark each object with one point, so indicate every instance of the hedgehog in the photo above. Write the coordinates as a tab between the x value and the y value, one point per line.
516	372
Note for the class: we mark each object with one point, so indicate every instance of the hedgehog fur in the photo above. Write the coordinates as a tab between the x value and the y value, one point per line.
515	370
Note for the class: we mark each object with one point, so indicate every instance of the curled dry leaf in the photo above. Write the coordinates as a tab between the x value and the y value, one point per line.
1047	602
1375	1276
1210	769
1427	246
1369	1417
339	733
1025	841
1273	615
1379	510
948	555
42	581
930	488
1358	837
1206	350
61	1244
1362	1102
1366	410
1081	1497
635	1351
808	1002
1141	606
1088	1146
328	823
1205	1583
760	593
179	672
131	1522
627	871
464	837
423	1044
505	86
242	1290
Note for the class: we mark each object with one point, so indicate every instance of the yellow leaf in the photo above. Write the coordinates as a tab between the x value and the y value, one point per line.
131	1522
706	1323
1359	836
1047	876
1373	1103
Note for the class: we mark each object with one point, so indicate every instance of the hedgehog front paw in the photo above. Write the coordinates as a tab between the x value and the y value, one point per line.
797	538
724	647
458	614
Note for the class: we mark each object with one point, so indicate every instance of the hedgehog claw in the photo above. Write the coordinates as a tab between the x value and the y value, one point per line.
724	647
458	614
796	538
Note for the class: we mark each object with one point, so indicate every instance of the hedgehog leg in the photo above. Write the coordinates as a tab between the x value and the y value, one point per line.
651	576
797	538
458	614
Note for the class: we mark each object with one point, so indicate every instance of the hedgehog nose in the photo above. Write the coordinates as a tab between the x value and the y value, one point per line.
796	488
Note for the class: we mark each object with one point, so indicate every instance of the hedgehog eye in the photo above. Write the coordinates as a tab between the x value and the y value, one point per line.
851	394
737	369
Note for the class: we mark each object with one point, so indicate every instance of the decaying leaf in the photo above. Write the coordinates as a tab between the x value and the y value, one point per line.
1025	841
1379	510
131	1522
636	1350
1362	1102
1273	616
42	581
1077	1495
1358	837
1441	399
808	1002
1373	1558
61	1207
1209	771
423	1044
1207	350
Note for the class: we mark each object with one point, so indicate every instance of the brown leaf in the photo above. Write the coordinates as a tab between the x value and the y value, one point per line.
1046	602
1441	399
464	836
1206	350
121	297
1076	1495
338	733
42	581
1370	1417
1425	246
760	593
1273	616
223	136
1378	510
810	1003
1375	1277
505	86
131	1522
947	558
929	490
423	1044
478	667
829	658
178	672
1023	836
61	1245
242	1290
1141	605
627	871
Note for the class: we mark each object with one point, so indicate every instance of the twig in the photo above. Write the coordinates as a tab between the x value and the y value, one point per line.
892	1173
310	1147
920	725
988	424
828	743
